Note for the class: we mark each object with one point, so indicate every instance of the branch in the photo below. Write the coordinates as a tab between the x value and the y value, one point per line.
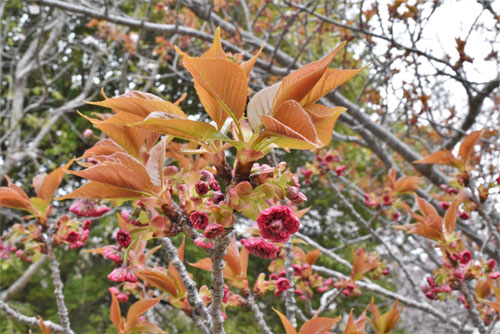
23	280
217	287
193	295
475	105
58	284
370	286
473	311
290	306
32	321
258	314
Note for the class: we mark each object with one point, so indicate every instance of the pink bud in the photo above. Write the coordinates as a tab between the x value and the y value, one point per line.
72	237
395	216
201	188
430	281
452	191
386	199
444	205
87	133
340	170
492	263
464	215
459	274
213	230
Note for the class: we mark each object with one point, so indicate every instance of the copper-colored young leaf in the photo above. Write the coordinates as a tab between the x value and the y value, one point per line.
45	329
156	162
284	136
385	323
232	257
10	198
215	50
248	65
115	313
204	264
312	256
299	83
286	323
139	308
102	147
356	327
331	79
51	182
261	104
494	305
294	117
139	105
148	327
224	81
97	190
129	162
450	217
362	264
182	128
324	128
244	260
131	139
113	174
467	146
157	278
406	184
439	157
318	325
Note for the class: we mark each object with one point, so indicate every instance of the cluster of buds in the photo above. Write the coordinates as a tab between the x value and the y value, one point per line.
88	208
120	296
348	288
433	291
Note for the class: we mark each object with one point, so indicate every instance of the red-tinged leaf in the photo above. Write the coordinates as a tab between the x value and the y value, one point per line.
299	83
221	81
157	278
300	213
10	198
483	288
139	308
148	327
51	182
180	250
494	305
248	65
385	323
43	327
318	325
131	139
244	261
330	80
215	50
427	209
439	157
156	163
296	118
350	327
312	256
113	174
261	104
406	184
392	176
97	190
204	264
115	313
129	162
232	257
182	128
286	323
139	105
467	146
324	128
450	217
286	134
102	147
362	263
